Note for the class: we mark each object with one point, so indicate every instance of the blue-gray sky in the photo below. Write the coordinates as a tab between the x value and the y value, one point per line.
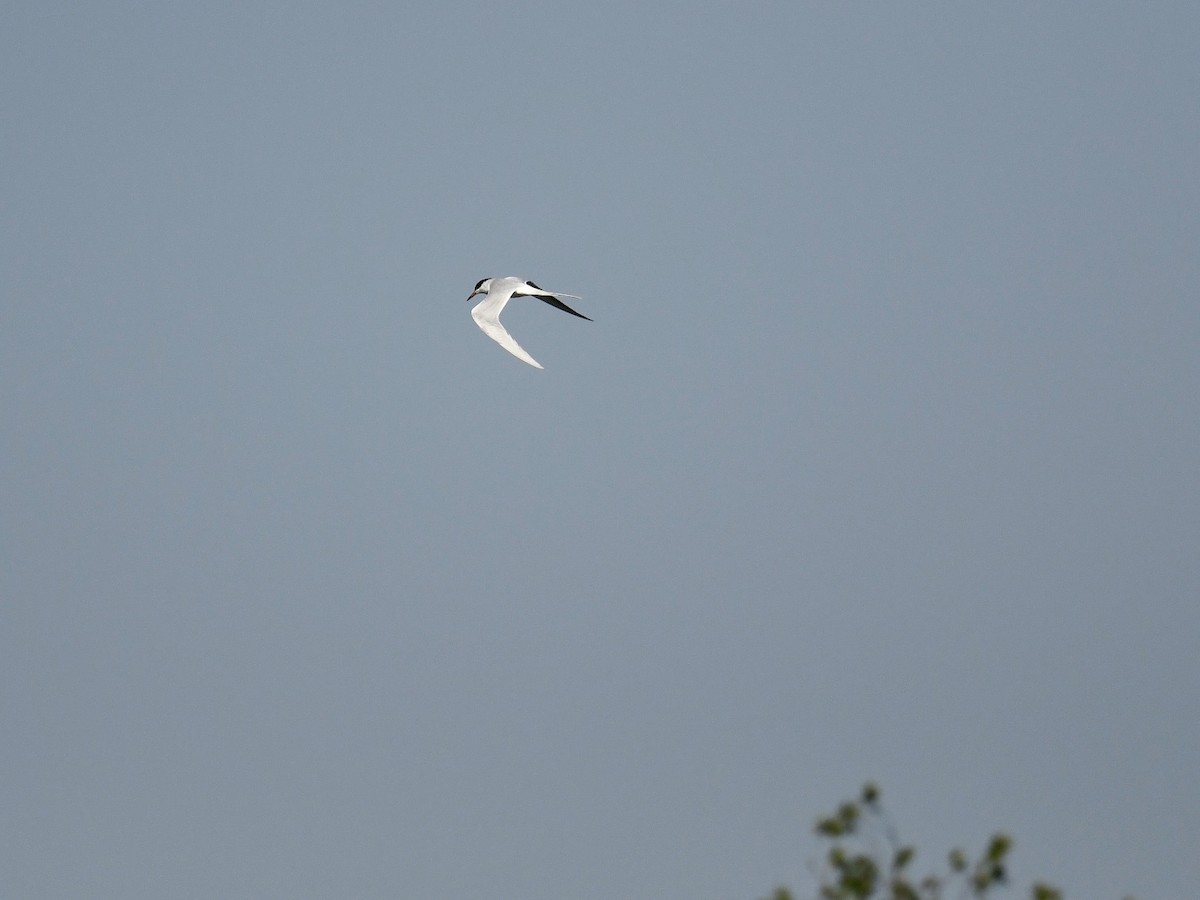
879	460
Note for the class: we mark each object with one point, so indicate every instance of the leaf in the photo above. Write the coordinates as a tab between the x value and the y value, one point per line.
830	827
859	876
999	846
902	858
848	814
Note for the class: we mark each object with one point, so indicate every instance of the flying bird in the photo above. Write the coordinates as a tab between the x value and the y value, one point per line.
499	291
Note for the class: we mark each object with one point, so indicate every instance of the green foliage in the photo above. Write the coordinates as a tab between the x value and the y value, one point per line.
866	861
857	875
958	860
841	823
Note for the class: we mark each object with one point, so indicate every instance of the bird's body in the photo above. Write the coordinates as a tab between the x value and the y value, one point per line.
499	291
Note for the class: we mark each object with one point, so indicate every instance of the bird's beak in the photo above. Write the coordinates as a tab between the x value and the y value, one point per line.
473	293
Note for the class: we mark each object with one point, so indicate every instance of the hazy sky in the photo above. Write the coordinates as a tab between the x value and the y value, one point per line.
880	459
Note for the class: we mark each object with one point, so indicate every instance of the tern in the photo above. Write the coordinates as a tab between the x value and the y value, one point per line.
499	291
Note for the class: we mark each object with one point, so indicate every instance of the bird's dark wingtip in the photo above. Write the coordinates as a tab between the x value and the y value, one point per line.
554	301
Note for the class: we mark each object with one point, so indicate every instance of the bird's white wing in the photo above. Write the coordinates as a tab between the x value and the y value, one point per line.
487	317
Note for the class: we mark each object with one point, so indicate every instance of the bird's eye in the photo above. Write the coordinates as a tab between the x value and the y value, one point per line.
479	283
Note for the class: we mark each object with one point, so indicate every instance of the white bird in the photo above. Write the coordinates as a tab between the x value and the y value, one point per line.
499	291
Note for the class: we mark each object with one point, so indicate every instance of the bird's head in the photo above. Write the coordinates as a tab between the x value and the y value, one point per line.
481	287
